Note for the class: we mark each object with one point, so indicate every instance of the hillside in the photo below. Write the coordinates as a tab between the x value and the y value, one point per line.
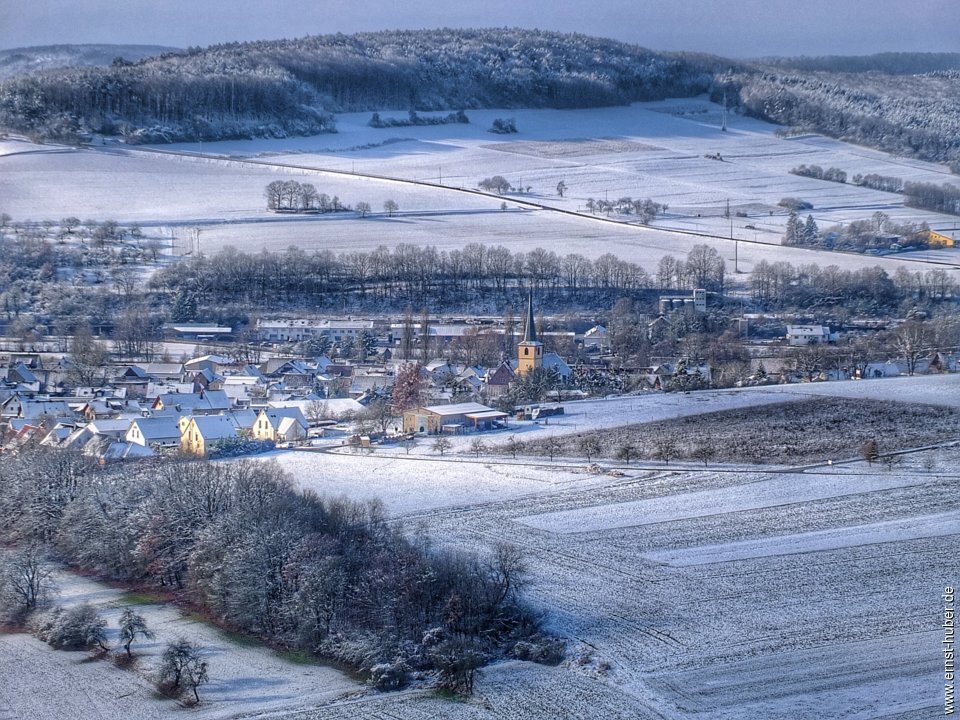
907	103
272	89
26	60
913	115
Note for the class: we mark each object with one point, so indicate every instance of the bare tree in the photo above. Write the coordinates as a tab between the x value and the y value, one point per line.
390	207
182	668
478	447
26	580
627	451
132	625
514	445
590	446
665	448
552	446
441	445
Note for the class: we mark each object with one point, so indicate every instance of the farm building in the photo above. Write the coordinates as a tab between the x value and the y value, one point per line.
451	418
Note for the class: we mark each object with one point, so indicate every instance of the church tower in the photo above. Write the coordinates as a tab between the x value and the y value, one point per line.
529	350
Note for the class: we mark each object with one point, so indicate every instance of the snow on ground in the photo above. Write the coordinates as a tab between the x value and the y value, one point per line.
651	150
913	528
244	678
700	592
713	593
779	491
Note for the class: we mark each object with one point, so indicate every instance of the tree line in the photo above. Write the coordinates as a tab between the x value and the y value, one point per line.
421	275
333	578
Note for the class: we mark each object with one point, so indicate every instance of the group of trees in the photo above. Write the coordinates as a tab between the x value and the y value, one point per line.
293	196
647	210
868	290
815	171
332	578
703	268
414	119
422	276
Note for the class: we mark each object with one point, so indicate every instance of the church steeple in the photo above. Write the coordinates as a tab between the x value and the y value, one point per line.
530	350
530	329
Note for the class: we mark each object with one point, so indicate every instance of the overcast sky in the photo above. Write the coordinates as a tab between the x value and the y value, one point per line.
735	28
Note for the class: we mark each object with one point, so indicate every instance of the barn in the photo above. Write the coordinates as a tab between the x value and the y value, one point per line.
459	417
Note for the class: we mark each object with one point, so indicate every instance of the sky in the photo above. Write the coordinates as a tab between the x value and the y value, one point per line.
734	28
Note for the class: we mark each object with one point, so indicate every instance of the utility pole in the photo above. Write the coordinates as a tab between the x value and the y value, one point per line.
723	122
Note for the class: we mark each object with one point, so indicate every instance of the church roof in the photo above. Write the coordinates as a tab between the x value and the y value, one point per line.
530	328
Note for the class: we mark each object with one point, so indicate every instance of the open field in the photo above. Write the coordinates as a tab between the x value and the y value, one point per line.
651	150
719	592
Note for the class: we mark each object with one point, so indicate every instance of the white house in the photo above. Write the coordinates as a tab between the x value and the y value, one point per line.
810	335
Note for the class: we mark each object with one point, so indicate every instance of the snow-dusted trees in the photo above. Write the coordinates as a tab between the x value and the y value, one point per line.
25	580
415	274
498	184
292	196
79	628
182	668
793	233
132	626
332	577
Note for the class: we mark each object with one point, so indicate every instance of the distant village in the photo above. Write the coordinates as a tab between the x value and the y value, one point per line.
215	405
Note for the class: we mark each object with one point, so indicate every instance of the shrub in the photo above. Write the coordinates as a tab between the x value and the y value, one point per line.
79	628
389	676
503	126
540	649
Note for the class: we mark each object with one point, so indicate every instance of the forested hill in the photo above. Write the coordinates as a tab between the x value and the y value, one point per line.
25	60
907	103
891	63
291	86
913	115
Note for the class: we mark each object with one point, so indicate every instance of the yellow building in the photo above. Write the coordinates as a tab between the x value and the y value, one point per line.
935	239
286	424
201	432
529	350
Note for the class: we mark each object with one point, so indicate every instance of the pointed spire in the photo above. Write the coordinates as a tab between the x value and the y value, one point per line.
530	330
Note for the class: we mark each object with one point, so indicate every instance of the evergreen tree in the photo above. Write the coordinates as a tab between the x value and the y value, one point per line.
794	230
811	233
367	344
184	306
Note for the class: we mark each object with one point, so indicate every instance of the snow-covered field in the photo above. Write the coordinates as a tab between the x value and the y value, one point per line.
728	592
654	150
721	592
244	679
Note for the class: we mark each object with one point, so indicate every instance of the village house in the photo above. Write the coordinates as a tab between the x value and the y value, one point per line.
285	424
207	402
798	335
201	433
162	432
